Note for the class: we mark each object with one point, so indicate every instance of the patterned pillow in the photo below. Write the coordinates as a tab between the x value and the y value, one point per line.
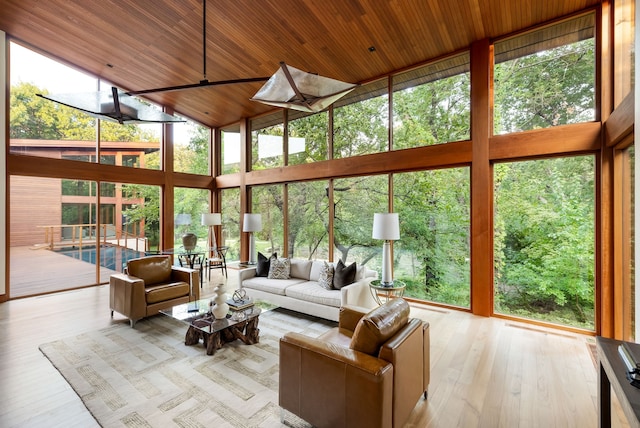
325	280
279	269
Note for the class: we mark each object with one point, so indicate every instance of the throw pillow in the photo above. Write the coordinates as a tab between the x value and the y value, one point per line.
262	268
344	275
279	269
325	279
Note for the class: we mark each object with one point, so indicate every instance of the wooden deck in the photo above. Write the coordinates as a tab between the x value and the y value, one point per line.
39	271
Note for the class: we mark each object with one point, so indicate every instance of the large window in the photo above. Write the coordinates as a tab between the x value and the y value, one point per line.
308	137
544	240
191	148
433	254
361	121
267	143
546	78
231	222
268	201
309	220
355	201
189	205
231	150
431	105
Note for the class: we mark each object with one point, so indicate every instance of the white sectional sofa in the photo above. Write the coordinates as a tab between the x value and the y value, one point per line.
302	293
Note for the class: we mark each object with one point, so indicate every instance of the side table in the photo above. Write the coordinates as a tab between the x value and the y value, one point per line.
386	292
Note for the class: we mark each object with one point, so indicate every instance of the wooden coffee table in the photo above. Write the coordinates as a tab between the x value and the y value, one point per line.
242	325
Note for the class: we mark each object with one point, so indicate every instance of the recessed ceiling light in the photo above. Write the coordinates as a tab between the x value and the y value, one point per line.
372	48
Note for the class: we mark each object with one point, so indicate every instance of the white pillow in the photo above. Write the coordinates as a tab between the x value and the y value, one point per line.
279	269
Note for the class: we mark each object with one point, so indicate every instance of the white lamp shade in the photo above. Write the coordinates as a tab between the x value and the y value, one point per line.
182	219
211	219
252	223
386	226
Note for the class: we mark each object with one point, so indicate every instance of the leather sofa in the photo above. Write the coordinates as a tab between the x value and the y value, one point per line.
370	371
151	284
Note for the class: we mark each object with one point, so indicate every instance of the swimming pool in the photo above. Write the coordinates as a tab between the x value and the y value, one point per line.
111	257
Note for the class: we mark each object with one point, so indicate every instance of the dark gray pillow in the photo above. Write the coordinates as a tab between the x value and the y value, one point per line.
344	275
264	263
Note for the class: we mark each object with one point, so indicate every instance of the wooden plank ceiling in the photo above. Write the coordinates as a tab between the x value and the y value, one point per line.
157	43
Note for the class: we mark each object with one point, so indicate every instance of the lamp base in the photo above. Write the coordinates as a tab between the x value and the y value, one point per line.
386	284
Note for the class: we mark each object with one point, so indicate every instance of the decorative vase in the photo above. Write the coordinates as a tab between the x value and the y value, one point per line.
189	241
220	308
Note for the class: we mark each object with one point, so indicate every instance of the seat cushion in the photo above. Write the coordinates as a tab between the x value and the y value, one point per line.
312	292
300	268
274	286
163	292
152	269
379	325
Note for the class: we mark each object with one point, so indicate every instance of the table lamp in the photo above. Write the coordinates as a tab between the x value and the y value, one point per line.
252	223
386	226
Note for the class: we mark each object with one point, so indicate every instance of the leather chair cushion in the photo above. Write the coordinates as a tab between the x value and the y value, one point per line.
163	292
379	325
152	270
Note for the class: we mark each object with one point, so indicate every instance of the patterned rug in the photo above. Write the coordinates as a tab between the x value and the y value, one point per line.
147	377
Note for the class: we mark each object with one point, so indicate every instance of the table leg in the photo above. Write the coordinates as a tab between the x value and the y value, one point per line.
193	336
604	399
213	342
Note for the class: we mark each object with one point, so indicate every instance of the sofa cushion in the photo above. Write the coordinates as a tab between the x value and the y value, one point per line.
300	268
262	268
274	286
152	270
325	279
168	291
310	291
316	266
344	275
379	325
280	269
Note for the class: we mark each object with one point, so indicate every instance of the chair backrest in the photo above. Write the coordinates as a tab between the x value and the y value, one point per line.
379	325
152	269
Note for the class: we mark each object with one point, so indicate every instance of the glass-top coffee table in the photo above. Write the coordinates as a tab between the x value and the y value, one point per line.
242	324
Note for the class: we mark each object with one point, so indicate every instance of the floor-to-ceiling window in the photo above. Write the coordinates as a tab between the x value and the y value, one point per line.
308	220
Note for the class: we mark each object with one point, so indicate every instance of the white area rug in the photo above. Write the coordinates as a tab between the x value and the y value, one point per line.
147	377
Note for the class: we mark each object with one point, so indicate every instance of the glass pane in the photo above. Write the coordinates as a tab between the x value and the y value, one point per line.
309	220
431	105
545	78
624	55
267	144
433	255
308	137
231	150
190	148
54	232
544	240
268	201
39	127
189	205
135	145
231	223
361	121
628	243
356	200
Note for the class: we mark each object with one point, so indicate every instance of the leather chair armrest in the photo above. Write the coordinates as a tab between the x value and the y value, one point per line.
320	380
191	277
126	296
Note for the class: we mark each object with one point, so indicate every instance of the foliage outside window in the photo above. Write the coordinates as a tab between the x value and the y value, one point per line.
361	121
308	220
267	143
431	105
356	200
190	148
140	212
268	201
544	239
545	78
308	137
190	204
624	54
433	254
231	150
628	239
231	222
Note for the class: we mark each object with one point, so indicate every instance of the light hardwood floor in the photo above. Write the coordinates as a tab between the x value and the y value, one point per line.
485	372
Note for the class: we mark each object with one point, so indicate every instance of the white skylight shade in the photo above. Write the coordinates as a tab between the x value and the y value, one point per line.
386	226
298	90
211	219
252	223
102	105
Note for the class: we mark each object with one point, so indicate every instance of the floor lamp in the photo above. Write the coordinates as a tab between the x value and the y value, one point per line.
252	223
211	220
386	226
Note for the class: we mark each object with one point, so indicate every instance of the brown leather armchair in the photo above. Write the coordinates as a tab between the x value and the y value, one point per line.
370	371
150	285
